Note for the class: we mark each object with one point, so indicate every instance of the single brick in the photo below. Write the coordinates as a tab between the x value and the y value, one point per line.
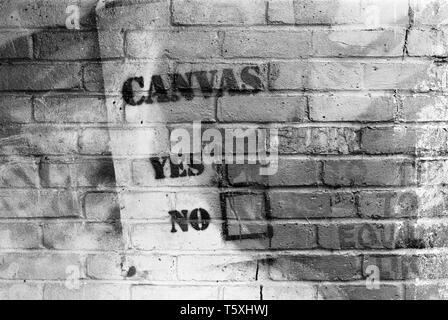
80	236
138	141
425	234
20	236
364	108
424	108
198	109
266	44
294	236
426	291
317	75
369	172
102	206
429	13
405	140
39	140
396	140
51	76
67	45
18	174
359	292
146	205
39	266
433	172
184	292
87	291
217	268
300	291
330	12
93	173
94	78
177	45
388	204
38	204
247	292
15	109
291	172
21	291
386	235
318	141
132	15
409	266
360	43
310	205
15	45
262	108
29	14
419	76
427	42
134	267
66	109
314	267
219	12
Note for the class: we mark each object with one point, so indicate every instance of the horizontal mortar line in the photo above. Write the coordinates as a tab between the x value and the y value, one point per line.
272	28
351	189
236	253
293	27
299	59
297	91
224	283
49	60
304	221
303	156
327	124
332	57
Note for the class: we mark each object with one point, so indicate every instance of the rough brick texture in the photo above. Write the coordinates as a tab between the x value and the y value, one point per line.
91	207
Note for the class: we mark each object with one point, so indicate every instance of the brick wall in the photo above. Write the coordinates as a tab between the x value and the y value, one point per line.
356	89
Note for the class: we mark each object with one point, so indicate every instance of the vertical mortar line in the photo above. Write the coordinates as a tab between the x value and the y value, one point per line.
267	12
307	108
171	9
33	108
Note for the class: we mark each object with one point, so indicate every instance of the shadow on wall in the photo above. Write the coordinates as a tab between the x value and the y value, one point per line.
62	150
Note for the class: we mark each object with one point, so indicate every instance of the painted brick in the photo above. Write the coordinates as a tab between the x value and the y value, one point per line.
51	76
184	292
314	267
38	266
217	268
80	236
318	141
66	109
333	12
262	108
38	203
20	236
294	236
310	205
359	43
386	235
177	45
87	291
291	172
278	44
219	12
359	292
369	172
365	108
